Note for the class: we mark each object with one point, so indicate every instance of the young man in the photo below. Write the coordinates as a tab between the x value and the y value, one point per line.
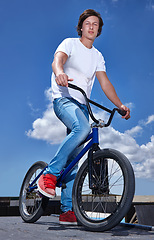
77	60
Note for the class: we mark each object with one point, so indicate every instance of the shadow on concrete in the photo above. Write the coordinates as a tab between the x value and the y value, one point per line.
119	230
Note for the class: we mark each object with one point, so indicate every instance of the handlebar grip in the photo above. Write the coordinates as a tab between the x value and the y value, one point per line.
122	112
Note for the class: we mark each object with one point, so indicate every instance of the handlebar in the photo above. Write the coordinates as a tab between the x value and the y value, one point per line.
112	112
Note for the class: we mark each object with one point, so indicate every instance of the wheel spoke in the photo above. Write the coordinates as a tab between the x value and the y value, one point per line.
111	176
30	202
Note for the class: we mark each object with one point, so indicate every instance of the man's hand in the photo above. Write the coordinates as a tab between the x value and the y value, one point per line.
62	79
127	116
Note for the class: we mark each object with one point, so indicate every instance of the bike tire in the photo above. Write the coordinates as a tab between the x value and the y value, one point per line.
105	207
32	204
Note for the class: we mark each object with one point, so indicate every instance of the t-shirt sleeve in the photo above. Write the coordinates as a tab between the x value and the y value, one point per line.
65	46
101	64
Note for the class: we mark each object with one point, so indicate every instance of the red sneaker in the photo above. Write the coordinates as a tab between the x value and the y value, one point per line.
47	185
68	218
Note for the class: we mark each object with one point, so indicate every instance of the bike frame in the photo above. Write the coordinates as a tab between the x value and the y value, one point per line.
93	140
93	137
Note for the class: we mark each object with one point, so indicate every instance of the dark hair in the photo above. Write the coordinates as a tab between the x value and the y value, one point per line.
87	13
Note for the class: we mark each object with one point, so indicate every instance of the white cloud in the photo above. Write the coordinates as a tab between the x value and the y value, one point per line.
134	131
111	138
141	157
50	129
34	110
150	5
145	168
150	119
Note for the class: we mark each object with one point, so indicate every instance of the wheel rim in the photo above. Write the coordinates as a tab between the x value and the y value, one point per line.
31	201
100	205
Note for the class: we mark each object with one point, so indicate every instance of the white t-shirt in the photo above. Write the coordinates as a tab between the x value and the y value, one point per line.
81	65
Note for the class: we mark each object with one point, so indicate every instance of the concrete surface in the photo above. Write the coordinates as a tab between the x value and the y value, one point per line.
47	227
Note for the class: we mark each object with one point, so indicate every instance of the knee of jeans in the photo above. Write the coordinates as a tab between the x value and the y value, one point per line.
85	130
82	130
88	128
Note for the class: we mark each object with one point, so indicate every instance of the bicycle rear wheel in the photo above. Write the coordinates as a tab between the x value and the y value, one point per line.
31	203
106	205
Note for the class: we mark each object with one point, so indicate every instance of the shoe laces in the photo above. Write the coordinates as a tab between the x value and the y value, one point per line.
49	182
71	212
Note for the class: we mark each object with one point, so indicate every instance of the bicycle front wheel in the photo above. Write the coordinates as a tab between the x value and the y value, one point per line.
104	206
31	203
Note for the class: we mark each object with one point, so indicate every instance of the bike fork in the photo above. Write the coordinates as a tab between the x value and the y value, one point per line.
98	173
92	180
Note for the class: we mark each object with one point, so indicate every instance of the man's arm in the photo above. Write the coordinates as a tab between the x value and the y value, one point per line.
110	92
57	66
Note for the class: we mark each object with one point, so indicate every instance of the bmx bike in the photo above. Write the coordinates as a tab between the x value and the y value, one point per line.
104	186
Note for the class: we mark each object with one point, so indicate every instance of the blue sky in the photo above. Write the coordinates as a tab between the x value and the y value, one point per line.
30	31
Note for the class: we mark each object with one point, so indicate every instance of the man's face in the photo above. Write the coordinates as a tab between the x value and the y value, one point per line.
90	27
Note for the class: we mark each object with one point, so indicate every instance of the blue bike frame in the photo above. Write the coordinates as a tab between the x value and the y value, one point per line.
93	137
94	140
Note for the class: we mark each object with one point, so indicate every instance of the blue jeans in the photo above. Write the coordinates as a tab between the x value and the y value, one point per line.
75	117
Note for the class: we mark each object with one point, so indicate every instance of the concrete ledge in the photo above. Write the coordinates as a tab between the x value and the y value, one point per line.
9	206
